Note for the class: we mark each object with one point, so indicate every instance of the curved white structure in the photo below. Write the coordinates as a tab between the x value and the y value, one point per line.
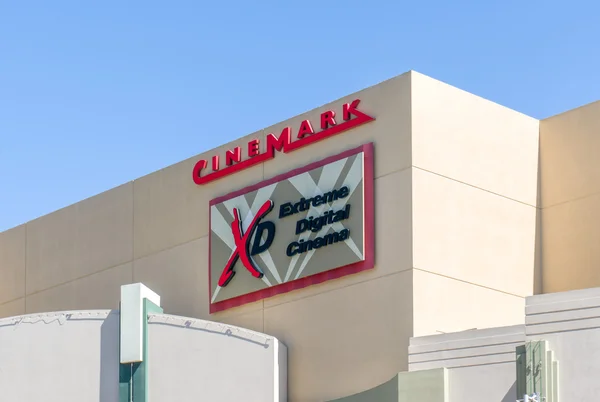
74	356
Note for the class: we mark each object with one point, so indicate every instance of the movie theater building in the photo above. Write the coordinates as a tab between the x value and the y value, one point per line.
410	241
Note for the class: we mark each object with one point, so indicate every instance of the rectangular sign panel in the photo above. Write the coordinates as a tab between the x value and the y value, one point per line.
300	228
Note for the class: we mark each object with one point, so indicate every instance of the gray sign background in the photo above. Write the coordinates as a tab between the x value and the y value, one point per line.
277	267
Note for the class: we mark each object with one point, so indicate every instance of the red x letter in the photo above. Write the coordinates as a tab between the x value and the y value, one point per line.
242	244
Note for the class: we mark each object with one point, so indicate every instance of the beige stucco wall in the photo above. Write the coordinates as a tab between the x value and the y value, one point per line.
474	190
570	183
12	271
455	218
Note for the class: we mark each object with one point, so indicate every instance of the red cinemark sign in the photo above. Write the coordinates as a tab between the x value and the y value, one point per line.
242	244
305	135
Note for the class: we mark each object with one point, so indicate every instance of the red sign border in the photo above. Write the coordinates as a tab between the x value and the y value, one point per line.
369	233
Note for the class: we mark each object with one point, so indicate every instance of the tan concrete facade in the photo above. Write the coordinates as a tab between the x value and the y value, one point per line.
570	194
474	205
457	235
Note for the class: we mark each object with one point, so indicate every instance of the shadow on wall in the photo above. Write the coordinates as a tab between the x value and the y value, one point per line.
109	358
511	395
386	392
420	386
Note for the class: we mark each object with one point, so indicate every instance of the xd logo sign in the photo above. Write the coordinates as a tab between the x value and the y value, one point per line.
323	213
242	243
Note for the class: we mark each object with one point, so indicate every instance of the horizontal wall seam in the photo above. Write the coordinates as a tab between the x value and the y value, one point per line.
446	358
207	234
12	301
473	186
466	365
560	331
220	316
561	310
470	283
465	347
339	288
78	278
530	324
392	172
573	200
169	248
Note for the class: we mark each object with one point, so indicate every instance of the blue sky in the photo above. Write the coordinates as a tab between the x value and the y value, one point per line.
95	94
